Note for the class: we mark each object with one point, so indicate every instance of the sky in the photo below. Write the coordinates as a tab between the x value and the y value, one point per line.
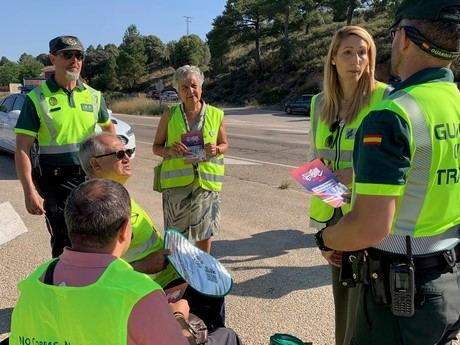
28	25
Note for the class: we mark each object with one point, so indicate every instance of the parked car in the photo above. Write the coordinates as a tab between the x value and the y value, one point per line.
154	94
10	107
170	96
299	105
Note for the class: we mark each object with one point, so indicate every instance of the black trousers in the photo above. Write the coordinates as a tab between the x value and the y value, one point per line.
54	189
210	309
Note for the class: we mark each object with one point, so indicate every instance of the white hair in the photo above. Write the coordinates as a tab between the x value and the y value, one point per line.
182	72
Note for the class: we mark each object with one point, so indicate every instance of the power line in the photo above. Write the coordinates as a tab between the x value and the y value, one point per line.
188	20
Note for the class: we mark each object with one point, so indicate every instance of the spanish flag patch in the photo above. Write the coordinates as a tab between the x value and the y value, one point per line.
372	139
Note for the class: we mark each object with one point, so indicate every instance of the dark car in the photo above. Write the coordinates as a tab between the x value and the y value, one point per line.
299	105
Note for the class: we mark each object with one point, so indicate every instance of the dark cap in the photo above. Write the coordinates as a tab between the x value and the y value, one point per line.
61	43
443	10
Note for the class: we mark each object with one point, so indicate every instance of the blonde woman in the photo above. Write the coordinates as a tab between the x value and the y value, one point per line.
335	115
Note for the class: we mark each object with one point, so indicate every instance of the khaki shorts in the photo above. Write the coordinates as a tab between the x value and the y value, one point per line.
192	210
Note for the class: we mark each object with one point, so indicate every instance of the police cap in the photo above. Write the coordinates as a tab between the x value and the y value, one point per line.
61	43
443	10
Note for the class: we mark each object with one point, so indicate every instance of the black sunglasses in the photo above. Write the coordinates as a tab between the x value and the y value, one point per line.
70	54
119	154
331	138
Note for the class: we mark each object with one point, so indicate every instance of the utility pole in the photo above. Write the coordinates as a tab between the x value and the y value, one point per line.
188	20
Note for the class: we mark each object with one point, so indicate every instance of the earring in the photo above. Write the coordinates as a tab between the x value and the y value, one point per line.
333	63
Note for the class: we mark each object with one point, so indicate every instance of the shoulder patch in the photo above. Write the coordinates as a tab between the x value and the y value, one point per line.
372	139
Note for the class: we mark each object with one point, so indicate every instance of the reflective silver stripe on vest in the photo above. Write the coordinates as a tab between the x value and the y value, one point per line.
218	161
419	175
53	149
387	91
94	98
177	173
133	253
45	110
416	189
421	245
209	177
345	155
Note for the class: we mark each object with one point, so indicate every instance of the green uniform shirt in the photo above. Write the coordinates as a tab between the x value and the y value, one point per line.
407	147
29	122
382	168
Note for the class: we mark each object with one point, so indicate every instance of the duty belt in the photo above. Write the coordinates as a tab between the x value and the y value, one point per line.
439	260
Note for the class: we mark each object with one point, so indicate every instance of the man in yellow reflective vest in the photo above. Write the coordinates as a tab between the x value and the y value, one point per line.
59	114
89	295
406	191
104	156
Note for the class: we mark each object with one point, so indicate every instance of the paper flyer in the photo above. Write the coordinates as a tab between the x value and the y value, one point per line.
317	179
194	142
200	270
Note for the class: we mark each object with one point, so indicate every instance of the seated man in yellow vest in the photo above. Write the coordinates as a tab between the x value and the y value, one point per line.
89	295
104	156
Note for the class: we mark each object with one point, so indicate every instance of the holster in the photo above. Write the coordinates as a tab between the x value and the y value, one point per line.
378	279
354	269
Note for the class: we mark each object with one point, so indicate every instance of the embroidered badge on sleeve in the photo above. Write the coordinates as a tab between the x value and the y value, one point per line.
372	139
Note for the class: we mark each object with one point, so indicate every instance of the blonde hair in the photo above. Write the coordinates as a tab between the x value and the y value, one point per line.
333	91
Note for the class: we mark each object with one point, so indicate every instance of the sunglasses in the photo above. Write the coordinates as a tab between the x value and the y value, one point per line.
118	154
331	139
69	55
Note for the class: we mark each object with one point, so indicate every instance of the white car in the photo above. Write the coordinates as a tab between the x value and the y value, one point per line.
10	107
169	96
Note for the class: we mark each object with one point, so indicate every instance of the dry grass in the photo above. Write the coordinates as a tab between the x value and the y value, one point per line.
4	94
137	105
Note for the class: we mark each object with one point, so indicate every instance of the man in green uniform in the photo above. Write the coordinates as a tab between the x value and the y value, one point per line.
59	114
406	191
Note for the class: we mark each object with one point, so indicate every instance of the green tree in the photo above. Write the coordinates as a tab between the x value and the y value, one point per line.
44	59
155	50
220	40
190	50
131	59
344	9
109	79
9	72
29	67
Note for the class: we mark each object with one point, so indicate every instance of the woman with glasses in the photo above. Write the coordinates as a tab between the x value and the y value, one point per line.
335	115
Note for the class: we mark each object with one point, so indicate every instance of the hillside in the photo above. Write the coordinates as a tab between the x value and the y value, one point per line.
284	77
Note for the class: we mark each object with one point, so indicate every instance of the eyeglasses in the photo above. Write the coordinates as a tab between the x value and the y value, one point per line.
331	138
70	54
134	217
394	30
118	154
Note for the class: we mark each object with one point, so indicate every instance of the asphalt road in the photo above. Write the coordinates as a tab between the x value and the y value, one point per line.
281	283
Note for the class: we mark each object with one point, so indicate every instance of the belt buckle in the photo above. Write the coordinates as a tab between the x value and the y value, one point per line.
450	257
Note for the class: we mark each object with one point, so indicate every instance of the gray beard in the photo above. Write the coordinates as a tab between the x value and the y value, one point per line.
72	76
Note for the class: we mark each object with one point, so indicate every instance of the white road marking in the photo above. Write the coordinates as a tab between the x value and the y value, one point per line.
11	224
242	159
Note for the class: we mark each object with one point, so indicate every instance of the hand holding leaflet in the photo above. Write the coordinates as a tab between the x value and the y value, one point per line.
317	179
195	144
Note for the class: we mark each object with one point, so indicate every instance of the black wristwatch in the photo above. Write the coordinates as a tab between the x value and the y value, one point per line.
320	242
